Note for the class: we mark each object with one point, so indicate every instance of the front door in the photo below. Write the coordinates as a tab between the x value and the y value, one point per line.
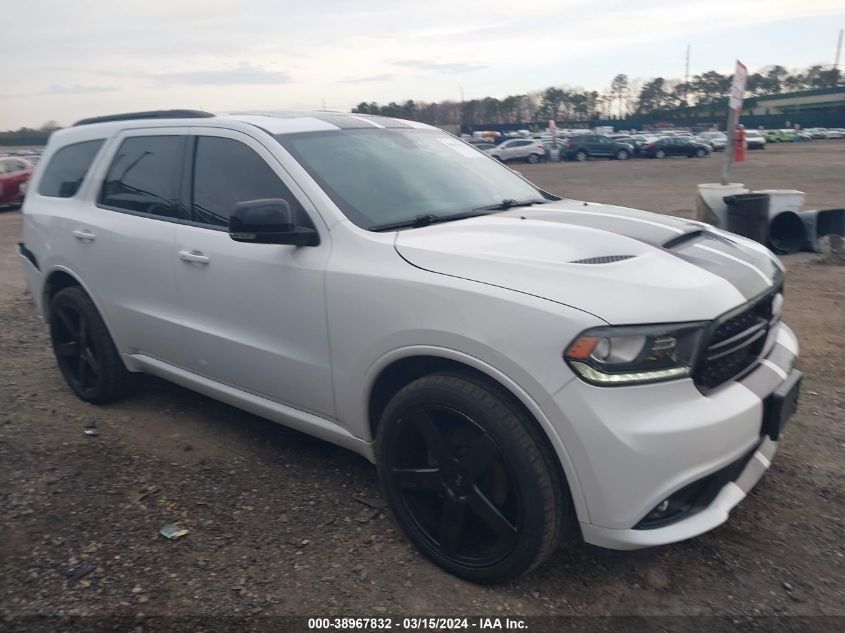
254	314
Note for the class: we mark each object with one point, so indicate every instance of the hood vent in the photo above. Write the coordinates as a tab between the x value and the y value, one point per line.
607	259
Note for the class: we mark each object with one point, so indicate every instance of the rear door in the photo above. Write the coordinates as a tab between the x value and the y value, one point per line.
119	238
254	314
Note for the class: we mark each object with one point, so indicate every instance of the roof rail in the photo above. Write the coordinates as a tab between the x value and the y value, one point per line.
151	114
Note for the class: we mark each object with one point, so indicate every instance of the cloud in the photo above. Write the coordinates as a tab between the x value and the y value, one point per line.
57	89
240	75
440	67
366	80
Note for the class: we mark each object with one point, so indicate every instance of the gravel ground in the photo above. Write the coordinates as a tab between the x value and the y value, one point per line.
279	523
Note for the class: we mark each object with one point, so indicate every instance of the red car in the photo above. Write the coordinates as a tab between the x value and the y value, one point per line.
13	173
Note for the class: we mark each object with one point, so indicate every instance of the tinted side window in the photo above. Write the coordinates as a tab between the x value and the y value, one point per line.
144	176
66	170
226	173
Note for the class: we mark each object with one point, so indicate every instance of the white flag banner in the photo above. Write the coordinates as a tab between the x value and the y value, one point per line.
738	87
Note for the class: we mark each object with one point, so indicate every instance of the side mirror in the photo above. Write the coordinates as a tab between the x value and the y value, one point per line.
269	221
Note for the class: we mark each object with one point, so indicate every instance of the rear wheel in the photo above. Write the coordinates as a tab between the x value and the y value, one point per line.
581	155
660	154
85	353
470	479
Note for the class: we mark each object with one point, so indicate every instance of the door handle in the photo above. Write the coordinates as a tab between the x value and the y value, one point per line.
84	235
195	257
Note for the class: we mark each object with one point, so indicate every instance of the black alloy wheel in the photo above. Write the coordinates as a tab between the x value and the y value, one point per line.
85	353
472	486
76	352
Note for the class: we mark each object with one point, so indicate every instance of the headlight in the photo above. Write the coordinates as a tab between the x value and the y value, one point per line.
634	354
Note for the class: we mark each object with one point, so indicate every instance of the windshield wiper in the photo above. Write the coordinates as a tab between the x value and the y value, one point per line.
420	220
510	203
425	220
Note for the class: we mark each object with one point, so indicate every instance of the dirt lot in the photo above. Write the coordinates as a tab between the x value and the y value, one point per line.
274	524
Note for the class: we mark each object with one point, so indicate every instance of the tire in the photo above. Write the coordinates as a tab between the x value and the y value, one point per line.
581	156
84	350
622	155
700	153
470	478
660	154
533	159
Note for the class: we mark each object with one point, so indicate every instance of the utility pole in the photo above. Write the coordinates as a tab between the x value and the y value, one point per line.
838	50
686	79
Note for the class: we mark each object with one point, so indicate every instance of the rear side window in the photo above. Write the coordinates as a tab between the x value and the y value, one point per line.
66	170
227	172
144	177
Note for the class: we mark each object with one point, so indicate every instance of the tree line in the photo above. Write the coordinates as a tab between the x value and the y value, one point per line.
622	98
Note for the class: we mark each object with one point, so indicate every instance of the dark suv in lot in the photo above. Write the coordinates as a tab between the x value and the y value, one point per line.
676	146
584	146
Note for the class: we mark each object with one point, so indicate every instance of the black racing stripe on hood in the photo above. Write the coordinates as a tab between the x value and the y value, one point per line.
649	232
748	282
753	274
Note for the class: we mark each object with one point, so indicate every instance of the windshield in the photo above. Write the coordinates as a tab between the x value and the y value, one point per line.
387	176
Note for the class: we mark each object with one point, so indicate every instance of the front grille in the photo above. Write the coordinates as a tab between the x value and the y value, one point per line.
736	344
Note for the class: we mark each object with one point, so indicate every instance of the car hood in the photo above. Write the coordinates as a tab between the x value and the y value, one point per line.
622	265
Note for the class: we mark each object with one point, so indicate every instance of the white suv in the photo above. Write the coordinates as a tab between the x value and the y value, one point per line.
517	365
527	149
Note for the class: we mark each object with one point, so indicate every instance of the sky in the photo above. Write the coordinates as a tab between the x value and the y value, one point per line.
64	60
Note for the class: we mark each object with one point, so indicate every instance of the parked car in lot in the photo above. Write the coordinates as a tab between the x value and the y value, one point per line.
716	140
585	146
638	141
14	174
835	132
754	140
529	150
786	136
675	146
816	132
338	274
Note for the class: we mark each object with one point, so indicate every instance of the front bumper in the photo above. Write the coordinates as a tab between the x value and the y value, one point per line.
633	447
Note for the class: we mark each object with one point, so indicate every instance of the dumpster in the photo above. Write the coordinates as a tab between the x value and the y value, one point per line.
748	215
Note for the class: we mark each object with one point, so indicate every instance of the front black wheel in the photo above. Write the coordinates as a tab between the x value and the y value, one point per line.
470	479
85	353
533	159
